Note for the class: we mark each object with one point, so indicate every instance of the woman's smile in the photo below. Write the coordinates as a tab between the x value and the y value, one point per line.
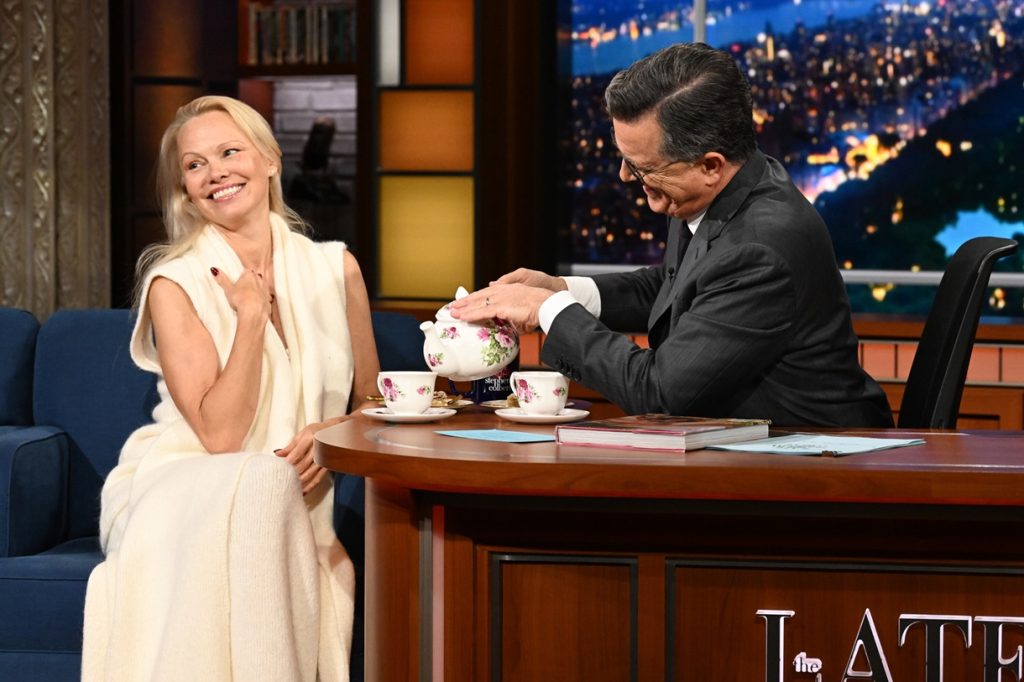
228	192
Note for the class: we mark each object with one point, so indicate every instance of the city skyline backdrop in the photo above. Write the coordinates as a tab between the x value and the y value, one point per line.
861	100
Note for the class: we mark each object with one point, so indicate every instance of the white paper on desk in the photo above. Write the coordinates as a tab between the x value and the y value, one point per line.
818	444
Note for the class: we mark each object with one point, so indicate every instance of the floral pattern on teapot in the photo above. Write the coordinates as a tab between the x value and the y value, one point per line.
499	344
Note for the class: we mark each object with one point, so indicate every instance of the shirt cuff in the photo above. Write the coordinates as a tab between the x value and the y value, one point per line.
550	308
585	290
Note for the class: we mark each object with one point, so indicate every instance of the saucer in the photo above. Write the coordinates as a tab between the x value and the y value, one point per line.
495	404
516	415
431	415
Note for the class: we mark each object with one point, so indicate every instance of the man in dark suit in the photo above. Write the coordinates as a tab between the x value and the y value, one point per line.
747	316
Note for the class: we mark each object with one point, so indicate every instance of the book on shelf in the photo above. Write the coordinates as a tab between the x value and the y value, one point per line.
660	432
298	33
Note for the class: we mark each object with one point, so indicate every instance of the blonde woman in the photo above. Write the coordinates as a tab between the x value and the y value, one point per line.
221	559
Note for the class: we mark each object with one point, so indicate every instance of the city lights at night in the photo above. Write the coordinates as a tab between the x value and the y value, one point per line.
907	117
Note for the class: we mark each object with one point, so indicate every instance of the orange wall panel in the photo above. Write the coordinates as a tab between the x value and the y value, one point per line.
905	353
984	365
426	131
438	42
1013	365
529	349
879	359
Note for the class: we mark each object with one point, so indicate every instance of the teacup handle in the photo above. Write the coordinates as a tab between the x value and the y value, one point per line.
513	382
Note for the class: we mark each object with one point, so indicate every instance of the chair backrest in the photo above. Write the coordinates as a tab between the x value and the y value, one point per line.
399	341
18	330
936	380
87	385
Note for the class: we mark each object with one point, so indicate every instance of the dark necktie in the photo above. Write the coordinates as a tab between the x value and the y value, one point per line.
678	240
685	237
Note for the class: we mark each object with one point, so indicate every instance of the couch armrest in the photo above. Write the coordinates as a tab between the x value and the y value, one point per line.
33	488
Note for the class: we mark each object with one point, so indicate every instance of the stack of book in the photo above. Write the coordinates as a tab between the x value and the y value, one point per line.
300	33
660	432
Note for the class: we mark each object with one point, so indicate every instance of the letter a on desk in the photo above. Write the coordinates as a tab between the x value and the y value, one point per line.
867	642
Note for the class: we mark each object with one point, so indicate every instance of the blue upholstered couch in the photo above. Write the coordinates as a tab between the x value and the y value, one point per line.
69	396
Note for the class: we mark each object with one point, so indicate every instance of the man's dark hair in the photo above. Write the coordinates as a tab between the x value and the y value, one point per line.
700	98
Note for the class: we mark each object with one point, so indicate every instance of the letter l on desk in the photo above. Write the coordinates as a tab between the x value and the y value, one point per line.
774	642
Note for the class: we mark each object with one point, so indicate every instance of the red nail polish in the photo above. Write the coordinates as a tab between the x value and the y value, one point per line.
215	271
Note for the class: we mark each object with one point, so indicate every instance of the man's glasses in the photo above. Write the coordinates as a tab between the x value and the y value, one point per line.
640	175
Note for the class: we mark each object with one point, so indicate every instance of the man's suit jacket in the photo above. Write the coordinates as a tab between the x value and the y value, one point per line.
753	322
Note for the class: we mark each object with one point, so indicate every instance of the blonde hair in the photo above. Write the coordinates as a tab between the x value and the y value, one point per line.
182	220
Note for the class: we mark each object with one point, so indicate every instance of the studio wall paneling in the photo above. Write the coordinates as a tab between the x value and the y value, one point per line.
438	42
54	246
154	105
159	52
426	130
425	223
426	141
163	55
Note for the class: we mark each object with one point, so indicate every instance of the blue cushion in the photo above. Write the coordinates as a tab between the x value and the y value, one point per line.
18	329
42	597
33	464
87	385
399	341
33	666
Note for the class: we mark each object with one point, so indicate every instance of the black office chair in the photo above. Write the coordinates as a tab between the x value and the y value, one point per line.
936	380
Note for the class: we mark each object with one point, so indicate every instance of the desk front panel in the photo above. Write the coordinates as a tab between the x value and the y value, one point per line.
614	590
491	562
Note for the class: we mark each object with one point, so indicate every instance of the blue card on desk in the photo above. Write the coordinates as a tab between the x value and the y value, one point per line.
499	435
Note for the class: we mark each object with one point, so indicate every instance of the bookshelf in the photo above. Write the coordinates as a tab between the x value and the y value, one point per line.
299	64
297	37
279	70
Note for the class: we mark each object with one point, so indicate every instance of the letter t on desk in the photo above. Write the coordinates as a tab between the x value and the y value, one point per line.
933	628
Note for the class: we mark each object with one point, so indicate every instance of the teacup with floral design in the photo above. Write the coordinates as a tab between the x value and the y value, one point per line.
540	392
407	392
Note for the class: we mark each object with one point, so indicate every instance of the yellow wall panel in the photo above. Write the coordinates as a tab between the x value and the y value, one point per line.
426	130
426	236
438	42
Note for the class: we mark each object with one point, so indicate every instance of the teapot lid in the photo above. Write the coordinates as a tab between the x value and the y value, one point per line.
444	313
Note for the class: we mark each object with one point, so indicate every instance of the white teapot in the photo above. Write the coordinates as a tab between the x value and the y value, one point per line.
465	351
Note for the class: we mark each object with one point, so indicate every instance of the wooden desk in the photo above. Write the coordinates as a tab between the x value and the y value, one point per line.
539	562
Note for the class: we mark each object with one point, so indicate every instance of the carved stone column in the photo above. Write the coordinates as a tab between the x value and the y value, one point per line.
54	155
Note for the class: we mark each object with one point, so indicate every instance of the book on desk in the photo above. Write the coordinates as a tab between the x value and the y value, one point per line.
660	432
